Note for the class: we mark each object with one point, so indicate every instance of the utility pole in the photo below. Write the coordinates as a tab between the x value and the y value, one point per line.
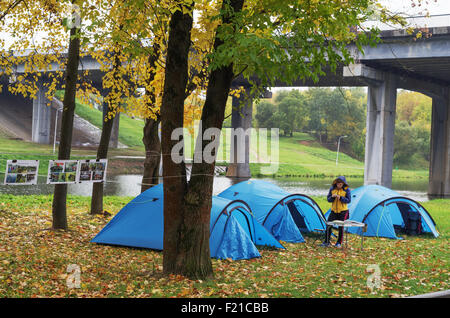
337	153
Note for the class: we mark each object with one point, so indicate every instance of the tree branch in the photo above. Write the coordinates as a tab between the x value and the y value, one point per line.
11	6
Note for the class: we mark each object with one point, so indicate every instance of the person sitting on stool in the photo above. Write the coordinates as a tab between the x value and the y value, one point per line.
339	197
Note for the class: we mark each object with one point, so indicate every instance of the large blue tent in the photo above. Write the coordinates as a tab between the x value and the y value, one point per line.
388	213
234	232
282	213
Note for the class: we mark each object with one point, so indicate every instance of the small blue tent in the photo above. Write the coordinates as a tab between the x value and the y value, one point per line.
387	213
233	230
283	214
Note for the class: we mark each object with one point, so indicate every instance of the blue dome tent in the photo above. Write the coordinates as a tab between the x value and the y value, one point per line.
387	213
283	214
233	230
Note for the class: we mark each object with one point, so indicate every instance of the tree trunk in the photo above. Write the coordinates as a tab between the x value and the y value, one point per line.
60	195
107	127
152	153
198	199
178	257
187	207
102	153
151	139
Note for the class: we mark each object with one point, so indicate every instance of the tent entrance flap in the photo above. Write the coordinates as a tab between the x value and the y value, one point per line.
307	215
281	225
411	219
414	220
297	217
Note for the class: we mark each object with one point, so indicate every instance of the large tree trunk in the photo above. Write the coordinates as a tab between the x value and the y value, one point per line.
187	207
152	153
178	255
60	195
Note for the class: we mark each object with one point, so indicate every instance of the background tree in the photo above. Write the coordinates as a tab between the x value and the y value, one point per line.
110	50
111	104
412	130
317	103
33	53
65	141
346	118
265	112
292	114
48	38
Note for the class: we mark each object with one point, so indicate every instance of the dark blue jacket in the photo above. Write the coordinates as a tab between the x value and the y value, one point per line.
347	198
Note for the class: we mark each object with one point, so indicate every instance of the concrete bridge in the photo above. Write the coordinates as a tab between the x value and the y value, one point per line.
32	120
400	61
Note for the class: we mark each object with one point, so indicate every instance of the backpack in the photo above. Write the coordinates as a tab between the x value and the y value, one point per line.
414	223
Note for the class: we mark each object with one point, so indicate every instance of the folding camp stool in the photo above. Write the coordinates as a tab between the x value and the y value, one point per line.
324	231
318	230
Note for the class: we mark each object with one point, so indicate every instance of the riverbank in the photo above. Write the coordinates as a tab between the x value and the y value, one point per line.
299	156
130	185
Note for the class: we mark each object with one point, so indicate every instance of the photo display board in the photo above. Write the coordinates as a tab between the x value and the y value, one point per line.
21	172
93	170
62	171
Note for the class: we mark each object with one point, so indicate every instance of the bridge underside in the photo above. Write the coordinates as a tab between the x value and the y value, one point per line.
35	119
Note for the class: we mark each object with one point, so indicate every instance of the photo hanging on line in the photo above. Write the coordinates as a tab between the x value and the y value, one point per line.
93	170
21	172
63	171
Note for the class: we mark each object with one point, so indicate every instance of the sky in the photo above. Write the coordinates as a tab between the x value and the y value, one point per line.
433	6
439	11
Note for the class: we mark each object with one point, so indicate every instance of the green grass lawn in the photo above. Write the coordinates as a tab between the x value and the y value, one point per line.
23	150
130	130
312	161
34	261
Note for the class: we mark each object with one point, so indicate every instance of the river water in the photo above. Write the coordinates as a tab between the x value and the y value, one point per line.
130	185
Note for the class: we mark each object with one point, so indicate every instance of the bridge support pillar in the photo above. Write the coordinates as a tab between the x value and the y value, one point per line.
42	114
380	125
241	122
439	177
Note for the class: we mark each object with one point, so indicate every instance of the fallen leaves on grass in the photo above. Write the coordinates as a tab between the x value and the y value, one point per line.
34	263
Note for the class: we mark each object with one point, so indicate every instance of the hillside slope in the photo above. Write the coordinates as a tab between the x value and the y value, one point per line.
301	155
15	116
130	129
